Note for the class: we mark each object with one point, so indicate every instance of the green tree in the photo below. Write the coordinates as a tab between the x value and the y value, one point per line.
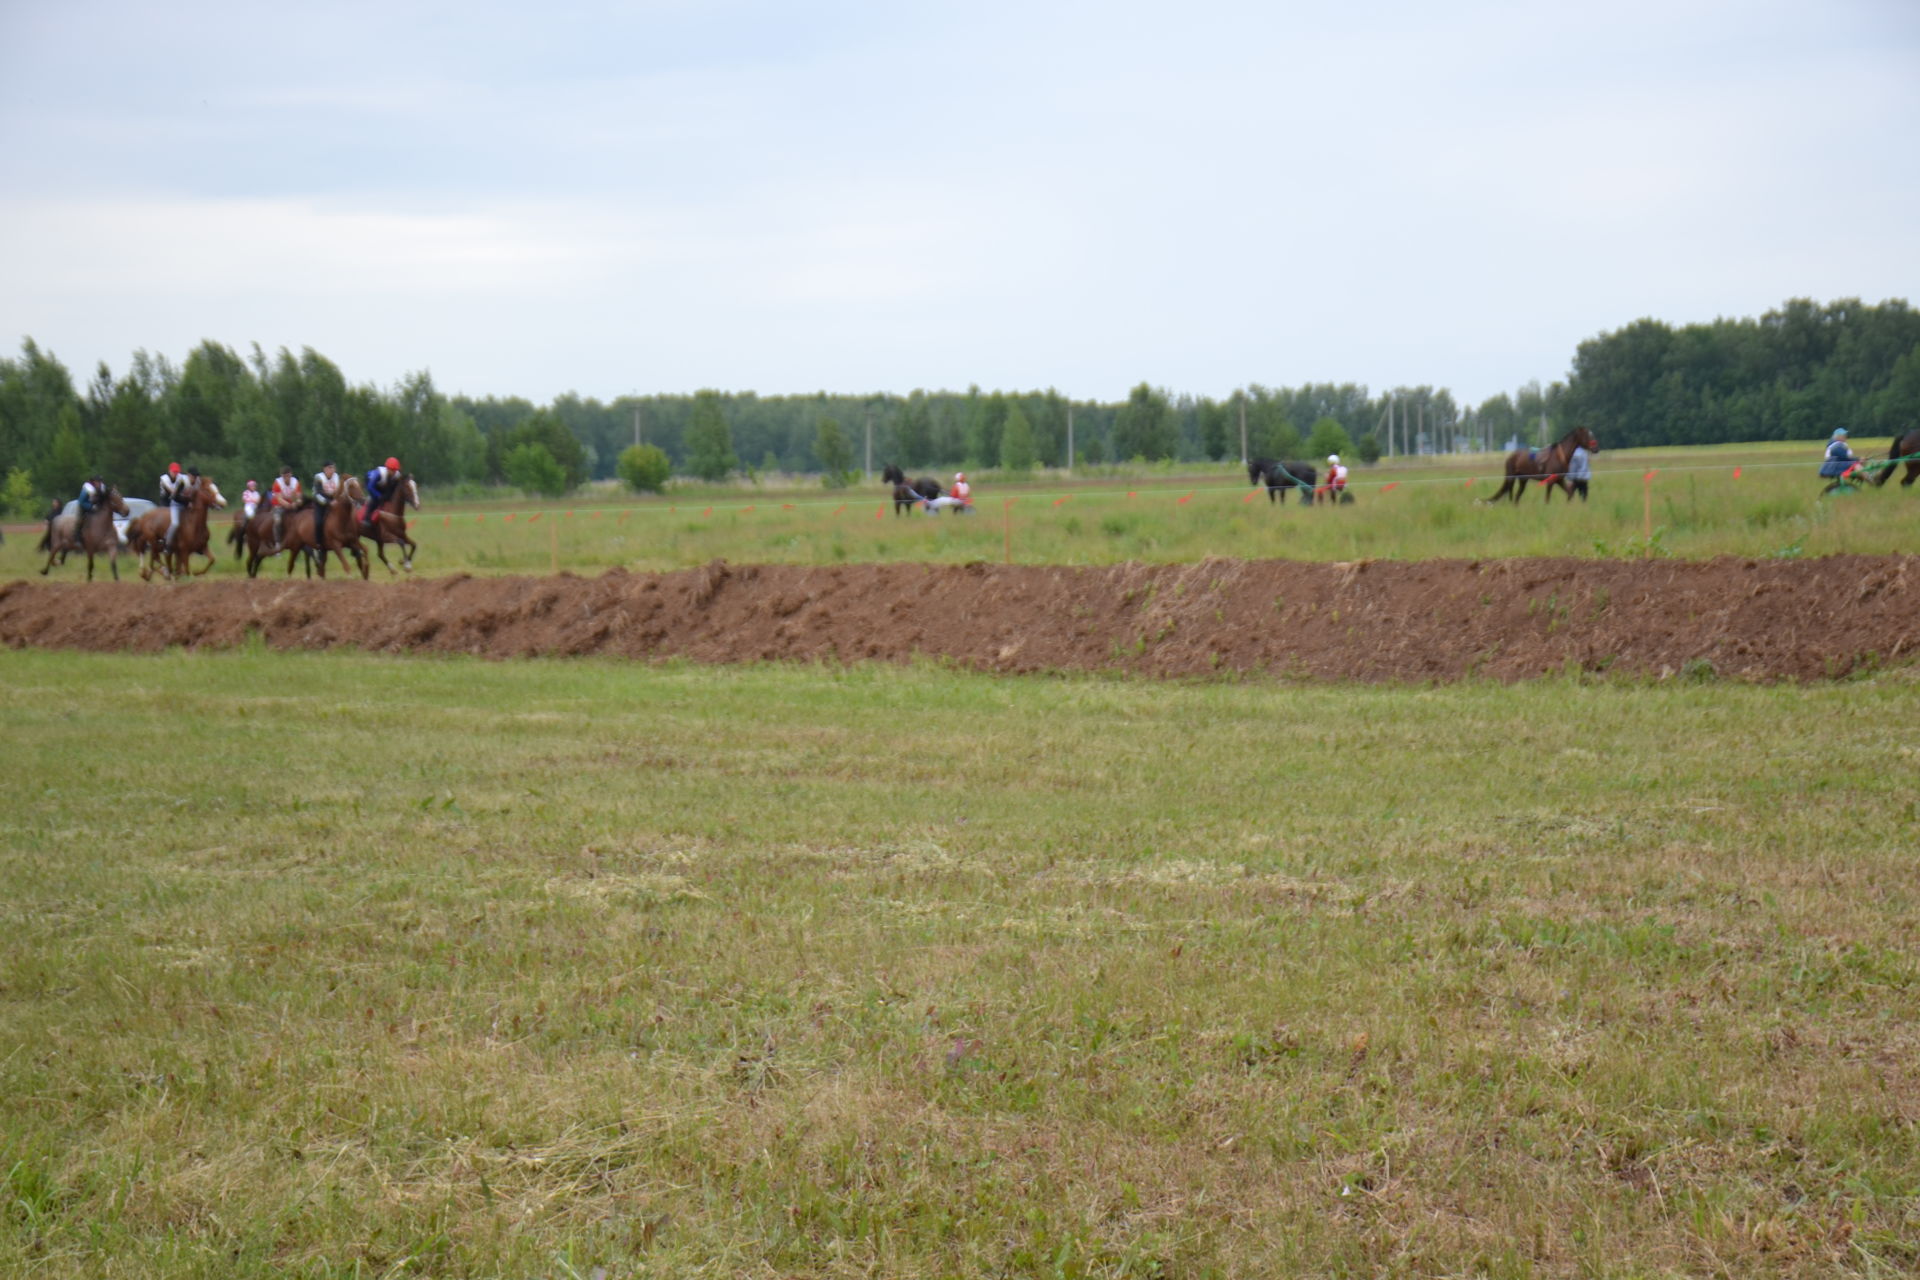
66	467
1277	438
530	468
913	437
835	452
1368	448
545	428
709	441
17	496
1145	427
1017	452
644	468
1328	436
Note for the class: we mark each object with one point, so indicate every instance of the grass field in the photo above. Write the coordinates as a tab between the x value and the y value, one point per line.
1697	509
327	966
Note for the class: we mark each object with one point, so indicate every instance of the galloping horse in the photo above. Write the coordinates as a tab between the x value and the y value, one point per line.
338	532
93	535
1280	477
1907	447
148	534
388	523
1524	464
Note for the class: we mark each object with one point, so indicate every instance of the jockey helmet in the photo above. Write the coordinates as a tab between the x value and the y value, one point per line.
173	468
1839	433
1334	458
393	464
959	475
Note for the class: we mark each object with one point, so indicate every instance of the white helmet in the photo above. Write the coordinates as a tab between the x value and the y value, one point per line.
959	475
1334	458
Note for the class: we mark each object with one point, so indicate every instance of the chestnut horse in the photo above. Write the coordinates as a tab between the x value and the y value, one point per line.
338	532
94	534
389	523
1905	449
148	534
1549	465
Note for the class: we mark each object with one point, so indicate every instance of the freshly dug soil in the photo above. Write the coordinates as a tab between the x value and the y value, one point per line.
1368	620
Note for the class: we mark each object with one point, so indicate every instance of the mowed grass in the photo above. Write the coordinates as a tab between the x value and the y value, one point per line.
333	965
1697	509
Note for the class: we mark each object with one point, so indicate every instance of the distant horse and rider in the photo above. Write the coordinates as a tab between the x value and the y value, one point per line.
147	534
333	529
1549	465
1283	477
384	521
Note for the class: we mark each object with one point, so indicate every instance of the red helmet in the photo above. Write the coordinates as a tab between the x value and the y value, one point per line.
393	464
173	468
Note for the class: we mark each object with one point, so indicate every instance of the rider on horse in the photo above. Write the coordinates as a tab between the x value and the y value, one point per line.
326	487
380	482
286	497
1840	457
173	493
250	498
92	494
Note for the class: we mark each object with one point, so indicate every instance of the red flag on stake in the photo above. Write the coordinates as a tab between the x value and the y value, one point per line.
879	513
1391	487
1736	473
479	519
535	516
445	521
842	507
1132	494
1649	476
1184	498
1469	482
1251	495
707	512
748	507
1062	498
786	506
508	517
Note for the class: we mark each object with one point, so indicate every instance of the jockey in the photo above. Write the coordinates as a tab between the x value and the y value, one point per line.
326	487
1336	476
1840	456
173	491
250	498
379	487
92	494
286	497
962	492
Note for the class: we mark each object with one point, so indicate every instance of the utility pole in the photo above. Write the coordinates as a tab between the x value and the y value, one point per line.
868	469
1069	435
636	424
1241	396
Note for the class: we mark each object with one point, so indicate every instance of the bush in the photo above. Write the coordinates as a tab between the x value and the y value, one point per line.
1368	449
16	495
644	467
533	470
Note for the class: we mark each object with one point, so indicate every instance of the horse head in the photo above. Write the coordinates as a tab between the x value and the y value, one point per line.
1586	439
353	490
208	494
410	490
1256	468
115	503
892	474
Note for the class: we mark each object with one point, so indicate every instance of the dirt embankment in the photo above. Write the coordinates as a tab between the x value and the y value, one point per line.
1379	620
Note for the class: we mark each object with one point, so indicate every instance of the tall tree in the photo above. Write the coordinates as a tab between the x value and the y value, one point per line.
1017	452
709	440
1145	427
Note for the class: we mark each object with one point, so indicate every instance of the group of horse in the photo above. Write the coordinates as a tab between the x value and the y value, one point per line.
1523	466
303	536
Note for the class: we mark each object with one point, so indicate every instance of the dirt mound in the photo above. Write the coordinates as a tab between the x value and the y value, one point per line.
1377	620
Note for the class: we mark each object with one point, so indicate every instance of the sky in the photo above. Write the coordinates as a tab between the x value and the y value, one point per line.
854	197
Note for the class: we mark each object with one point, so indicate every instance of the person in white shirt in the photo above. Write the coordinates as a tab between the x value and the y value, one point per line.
173	492
326	487
1336	477
962	492
286	497
250	498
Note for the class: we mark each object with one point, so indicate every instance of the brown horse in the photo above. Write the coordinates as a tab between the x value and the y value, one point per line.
94	534
337	531
1905	449
148	534
1549	465
389	523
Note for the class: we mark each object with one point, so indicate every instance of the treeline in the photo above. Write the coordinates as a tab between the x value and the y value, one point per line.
1794	374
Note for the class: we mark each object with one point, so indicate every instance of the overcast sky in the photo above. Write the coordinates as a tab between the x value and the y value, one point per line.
605	198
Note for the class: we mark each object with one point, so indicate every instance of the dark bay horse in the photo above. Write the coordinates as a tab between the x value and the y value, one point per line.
1548	464
1908	447
1280	477
94	535
892	474
388	523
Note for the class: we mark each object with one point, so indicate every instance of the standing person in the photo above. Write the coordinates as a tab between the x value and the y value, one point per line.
1580	470
326	487
962	492
173	492
1840	456
250	498
286	497
1336	477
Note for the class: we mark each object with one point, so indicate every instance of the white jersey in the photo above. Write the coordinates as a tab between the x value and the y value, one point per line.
326	487
173	489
